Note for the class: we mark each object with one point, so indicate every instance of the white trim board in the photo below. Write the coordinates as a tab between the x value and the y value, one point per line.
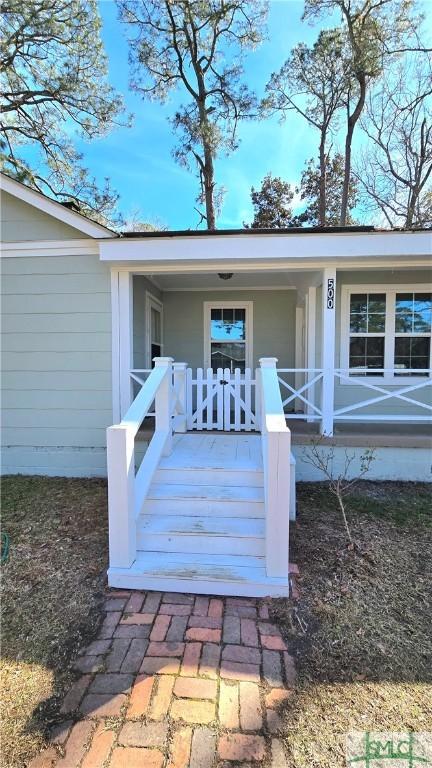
29	248
54	208
309	247
231	288
292	264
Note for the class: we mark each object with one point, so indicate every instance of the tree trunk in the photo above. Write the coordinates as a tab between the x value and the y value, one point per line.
352	122
208	173
412	202
322	183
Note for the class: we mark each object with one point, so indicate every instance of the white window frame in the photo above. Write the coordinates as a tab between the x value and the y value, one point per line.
152	303
248	307
390	292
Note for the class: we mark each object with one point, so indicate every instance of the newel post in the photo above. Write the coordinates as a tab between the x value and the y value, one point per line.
179	396
276	443
328	349
163	401
121	495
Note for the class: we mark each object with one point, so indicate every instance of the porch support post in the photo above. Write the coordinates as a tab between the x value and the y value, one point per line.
311	348
121	501
179	397
276	448
163	402
298	354
125	320
328	348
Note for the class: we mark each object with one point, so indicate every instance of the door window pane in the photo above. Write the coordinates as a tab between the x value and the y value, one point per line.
228	324
228	355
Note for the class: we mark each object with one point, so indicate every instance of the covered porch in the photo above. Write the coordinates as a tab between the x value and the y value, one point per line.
352	349
259	345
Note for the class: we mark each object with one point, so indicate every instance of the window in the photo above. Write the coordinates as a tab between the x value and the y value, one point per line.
227	335
154	329
413	315
386	329
367	331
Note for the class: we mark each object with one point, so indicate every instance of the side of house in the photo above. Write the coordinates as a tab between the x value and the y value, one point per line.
56	340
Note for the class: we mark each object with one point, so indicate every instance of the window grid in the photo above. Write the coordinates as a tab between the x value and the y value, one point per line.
390	334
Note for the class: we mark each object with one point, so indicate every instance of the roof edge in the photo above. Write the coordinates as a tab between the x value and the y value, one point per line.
54	208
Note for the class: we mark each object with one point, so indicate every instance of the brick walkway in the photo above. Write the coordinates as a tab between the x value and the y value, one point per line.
176	681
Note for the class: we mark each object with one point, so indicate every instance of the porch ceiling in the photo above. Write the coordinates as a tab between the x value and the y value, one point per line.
238	281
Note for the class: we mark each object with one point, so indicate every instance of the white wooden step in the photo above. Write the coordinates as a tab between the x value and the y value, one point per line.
218	535
204	507
204	574
209	492
209	476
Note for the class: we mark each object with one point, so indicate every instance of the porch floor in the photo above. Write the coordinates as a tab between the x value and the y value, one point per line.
350	435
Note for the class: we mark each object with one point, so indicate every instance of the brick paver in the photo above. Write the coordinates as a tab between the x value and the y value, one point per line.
177	681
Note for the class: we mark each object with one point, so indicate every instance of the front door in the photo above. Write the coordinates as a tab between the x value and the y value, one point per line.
228	335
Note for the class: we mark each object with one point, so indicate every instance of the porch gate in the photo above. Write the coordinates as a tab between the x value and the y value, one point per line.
225	400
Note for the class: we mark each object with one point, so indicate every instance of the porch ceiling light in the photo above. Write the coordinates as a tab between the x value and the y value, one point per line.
225	275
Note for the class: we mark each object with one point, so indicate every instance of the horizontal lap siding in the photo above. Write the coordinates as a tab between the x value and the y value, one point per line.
273	324
56	364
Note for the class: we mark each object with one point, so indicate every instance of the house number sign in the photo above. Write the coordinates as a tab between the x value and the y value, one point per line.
330	293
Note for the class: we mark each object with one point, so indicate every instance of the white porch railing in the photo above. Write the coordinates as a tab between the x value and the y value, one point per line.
306	394
276	450
127	490
399	398
393	391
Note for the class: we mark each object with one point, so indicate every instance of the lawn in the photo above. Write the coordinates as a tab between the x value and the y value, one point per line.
361	632
51	591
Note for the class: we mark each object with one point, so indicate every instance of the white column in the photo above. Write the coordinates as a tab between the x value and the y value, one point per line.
276	442
311	348
328	348
125	321
115	345
299	377
163	401
180	397
121	501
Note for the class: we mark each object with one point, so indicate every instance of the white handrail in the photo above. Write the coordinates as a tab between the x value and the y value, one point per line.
127	491
276	449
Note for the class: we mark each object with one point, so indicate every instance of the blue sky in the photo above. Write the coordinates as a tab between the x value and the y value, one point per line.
138	160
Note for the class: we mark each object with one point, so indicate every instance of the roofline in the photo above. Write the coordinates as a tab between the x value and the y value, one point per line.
53	208
357	229
249	231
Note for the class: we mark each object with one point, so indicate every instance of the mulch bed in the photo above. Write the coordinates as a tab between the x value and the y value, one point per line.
361	631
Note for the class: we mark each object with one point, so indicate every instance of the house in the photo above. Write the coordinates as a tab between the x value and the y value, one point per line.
198	367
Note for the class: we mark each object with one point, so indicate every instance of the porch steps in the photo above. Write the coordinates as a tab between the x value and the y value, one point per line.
240	575
202	526
191	534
